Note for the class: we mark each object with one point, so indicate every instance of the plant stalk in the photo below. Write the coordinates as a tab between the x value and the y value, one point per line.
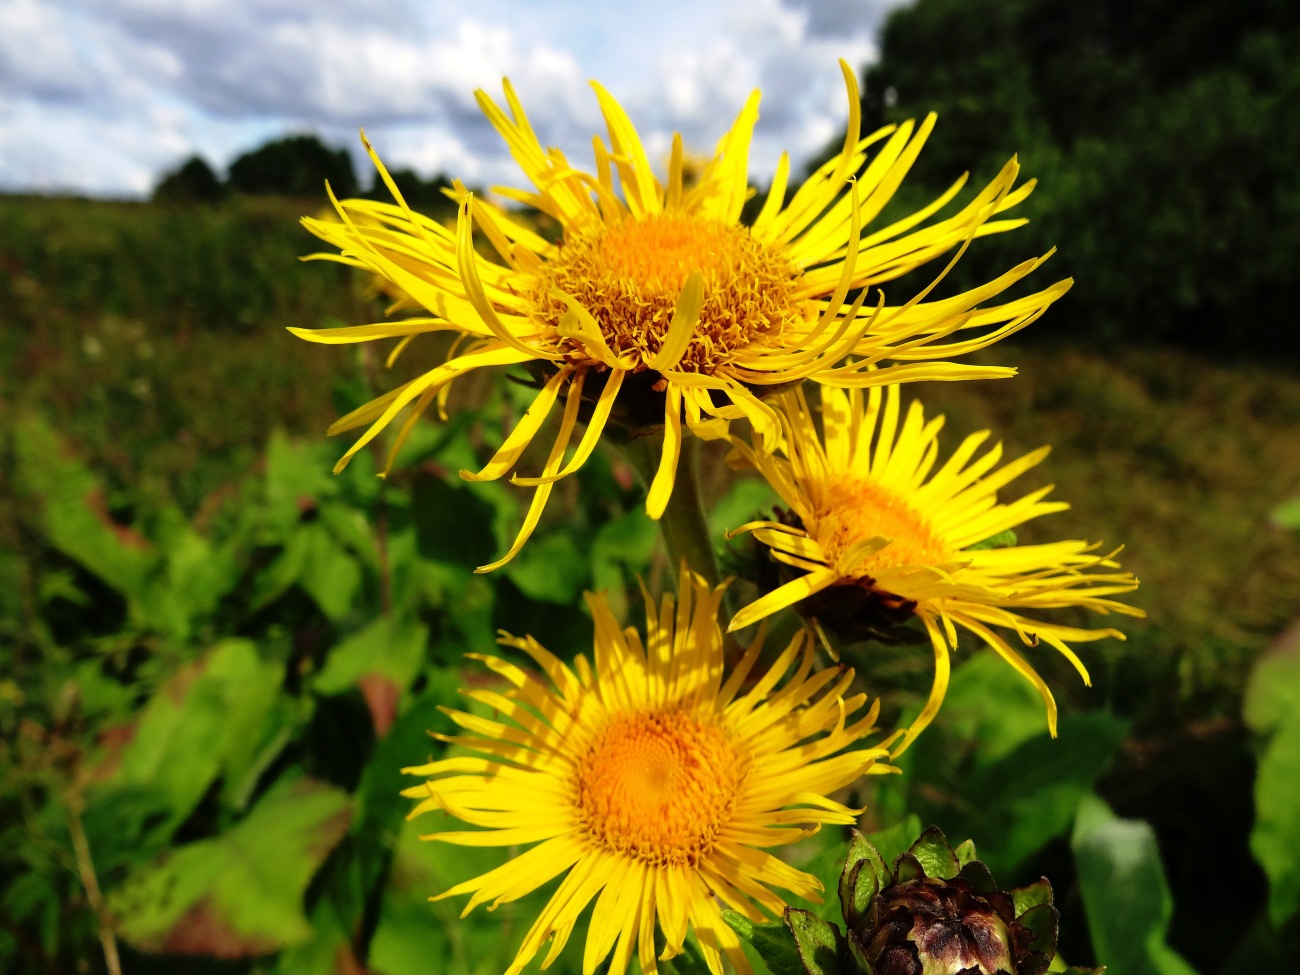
685	531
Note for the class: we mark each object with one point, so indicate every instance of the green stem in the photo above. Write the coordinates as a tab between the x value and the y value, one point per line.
685	531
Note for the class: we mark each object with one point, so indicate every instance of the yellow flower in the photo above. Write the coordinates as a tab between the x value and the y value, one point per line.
654	785
658	305
878	517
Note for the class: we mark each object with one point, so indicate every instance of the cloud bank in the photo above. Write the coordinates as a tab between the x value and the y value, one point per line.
100	96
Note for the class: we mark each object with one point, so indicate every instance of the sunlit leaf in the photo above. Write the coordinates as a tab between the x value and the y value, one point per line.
1124	892
239	894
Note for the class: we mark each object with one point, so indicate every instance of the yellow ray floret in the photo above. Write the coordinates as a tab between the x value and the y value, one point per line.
874	512
653	785
661	281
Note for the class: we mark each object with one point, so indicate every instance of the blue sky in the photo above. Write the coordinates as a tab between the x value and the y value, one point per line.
100	96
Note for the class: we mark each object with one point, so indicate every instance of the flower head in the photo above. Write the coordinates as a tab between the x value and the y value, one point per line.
879	528
654	786
658	306
939	912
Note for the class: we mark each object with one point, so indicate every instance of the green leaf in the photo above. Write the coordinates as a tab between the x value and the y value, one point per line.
859	887
1029	797
620	552
819	941
774	943
239	894
747	497
452	523
389	647
1001	540
1287	514
1275	838
73	513
411	929
550	569
1272	709
222	714
1124	892
328	573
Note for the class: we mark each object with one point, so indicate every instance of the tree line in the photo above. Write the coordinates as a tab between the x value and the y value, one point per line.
296	166
1165	135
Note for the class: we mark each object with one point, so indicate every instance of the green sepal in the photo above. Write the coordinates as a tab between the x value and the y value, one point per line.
860	848
819	942
1044	921
907	867
936	857
775	943
977	874
864	883
965	852
863	875
1031	895
858	953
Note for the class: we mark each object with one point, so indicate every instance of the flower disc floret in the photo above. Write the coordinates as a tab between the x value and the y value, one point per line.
659	786
630	276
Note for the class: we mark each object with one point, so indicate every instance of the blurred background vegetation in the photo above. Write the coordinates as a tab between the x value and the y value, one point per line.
216	655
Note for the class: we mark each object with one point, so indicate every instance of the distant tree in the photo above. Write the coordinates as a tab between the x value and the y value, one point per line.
1165	136
296	166
191	182
424	195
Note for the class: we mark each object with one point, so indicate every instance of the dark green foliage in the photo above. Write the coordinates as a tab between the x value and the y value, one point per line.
191	182
298	166
425	196
1164	141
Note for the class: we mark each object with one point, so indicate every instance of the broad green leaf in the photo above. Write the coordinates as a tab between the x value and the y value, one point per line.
1273	691
1275	839
452	523
329	572
551	569
240	893
412	930
298	474
1272	709
220	714
1028	797
72	510
1124	892
774	943
749	498
389	647
380	806
620	552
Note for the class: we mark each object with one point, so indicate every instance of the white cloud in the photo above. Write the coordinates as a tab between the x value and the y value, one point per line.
101	95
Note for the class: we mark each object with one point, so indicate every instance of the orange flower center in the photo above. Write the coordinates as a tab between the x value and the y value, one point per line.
629	276
658	786
854	510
